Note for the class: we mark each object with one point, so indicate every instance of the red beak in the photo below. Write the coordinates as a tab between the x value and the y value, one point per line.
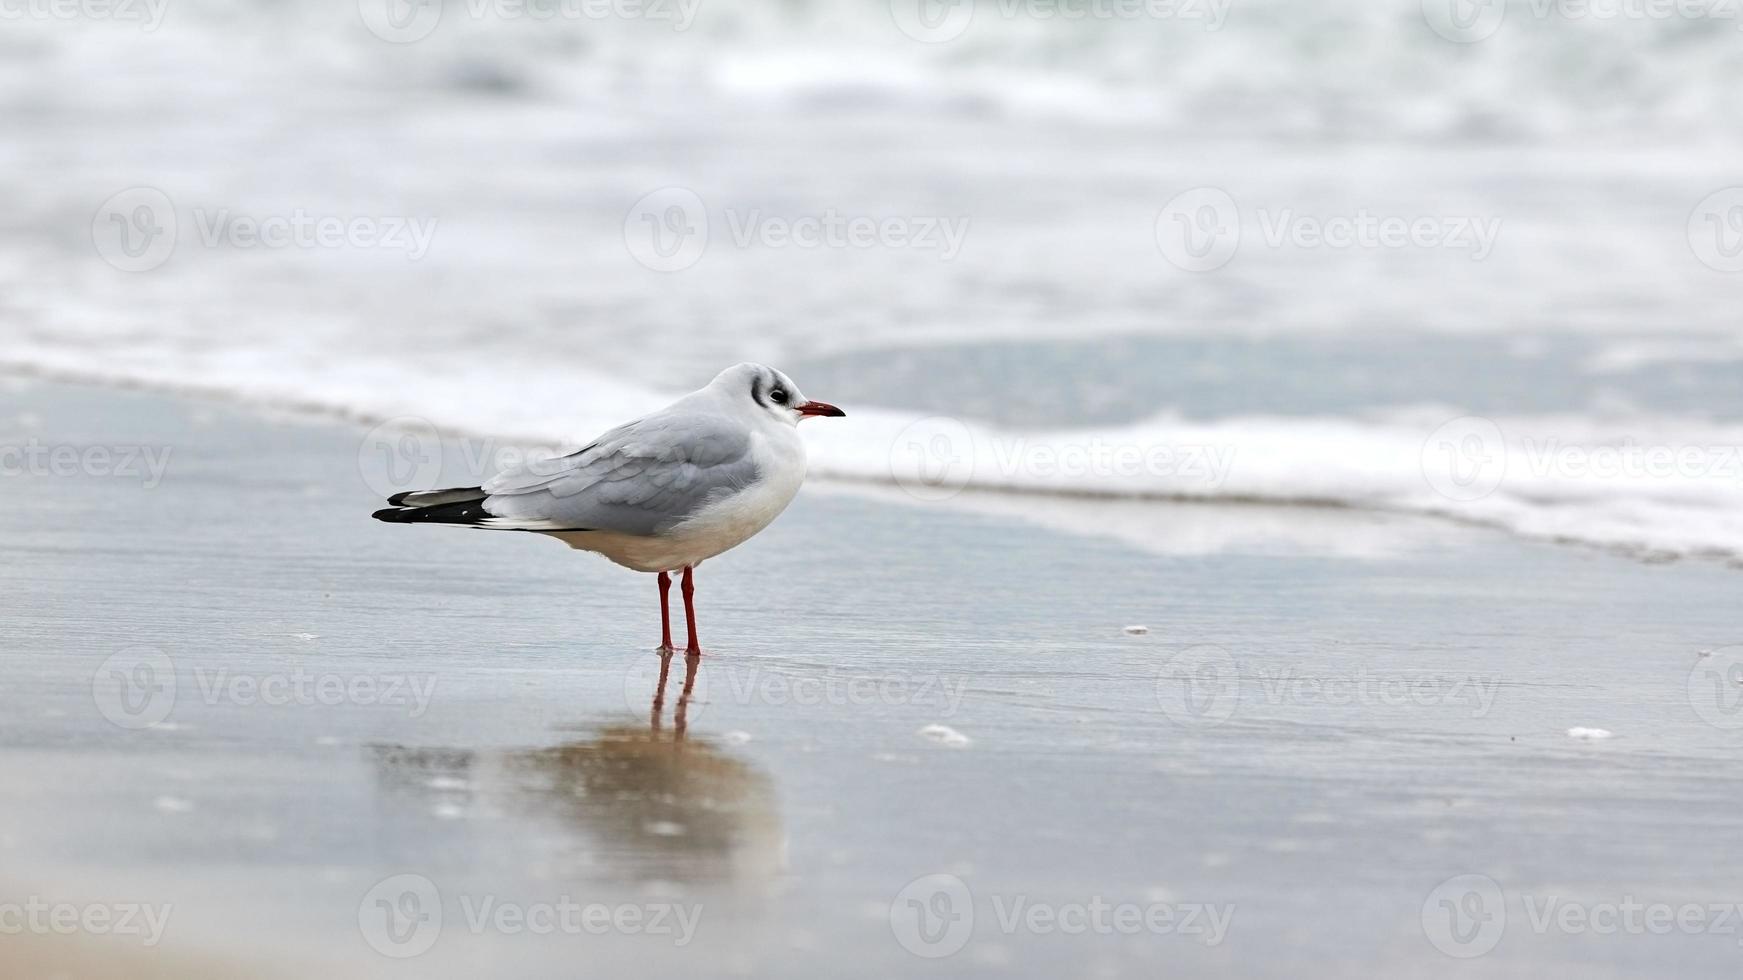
824	409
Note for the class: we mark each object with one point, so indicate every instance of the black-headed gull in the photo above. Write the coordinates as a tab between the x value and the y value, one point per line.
660	494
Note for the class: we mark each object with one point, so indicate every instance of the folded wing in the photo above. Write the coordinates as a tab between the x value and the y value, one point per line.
641	478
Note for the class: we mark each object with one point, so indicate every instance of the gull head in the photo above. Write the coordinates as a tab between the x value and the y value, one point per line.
760	391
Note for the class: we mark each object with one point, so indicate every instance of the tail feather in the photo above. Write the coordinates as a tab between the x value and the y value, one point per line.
430	498
463	506
457	505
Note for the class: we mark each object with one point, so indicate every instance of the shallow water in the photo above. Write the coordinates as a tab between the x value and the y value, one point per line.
521	175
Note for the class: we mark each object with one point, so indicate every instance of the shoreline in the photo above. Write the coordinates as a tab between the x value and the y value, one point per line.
981	498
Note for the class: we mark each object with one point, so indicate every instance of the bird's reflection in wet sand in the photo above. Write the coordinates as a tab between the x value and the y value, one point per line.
654	804
680	715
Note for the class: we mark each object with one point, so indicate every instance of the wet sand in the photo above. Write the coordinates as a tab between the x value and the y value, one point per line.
922	743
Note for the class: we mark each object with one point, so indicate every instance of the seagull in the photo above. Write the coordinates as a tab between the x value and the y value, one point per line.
660	494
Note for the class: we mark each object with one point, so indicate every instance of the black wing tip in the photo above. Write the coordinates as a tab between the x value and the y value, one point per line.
469	511
432	499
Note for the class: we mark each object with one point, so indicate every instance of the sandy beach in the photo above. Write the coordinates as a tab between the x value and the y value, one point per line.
923	743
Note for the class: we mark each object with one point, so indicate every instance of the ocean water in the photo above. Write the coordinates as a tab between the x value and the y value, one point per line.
1249	251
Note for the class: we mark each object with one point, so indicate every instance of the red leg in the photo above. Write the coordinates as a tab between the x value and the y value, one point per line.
689	589
665	617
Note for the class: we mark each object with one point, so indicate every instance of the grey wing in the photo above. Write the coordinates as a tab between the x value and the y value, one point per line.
640	478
